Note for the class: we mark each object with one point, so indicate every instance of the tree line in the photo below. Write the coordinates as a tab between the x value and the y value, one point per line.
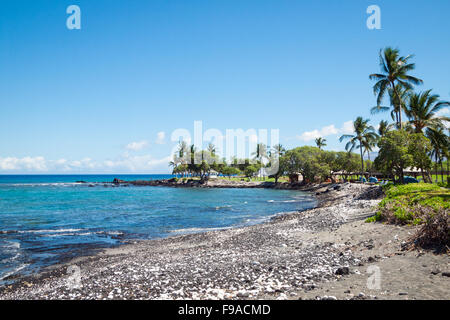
416	137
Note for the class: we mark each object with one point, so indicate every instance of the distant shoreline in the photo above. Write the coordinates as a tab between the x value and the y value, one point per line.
214	183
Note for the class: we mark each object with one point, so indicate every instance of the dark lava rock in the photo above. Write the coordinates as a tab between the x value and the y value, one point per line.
117	181
435	271
342	271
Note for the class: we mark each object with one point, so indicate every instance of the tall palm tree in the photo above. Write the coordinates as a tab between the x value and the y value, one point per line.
369	142
395	71
261	152
182	149
321	142
398	99
440	145
363	133
422	108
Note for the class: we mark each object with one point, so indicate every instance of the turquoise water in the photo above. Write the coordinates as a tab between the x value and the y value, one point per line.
49	219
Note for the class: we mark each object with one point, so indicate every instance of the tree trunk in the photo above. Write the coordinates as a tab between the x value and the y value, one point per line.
436	168
362	160
447	166
399	108
402	180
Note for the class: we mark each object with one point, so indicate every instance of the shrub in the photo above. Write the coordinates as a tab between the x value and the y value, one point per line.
435	232
403	203
418	204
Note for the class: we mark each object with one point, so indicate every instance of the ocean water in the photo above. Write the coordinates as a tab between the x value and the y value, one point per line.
47	219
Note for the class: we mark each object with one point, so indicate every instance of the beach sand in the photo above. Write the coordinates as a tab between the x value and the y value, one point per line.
323	253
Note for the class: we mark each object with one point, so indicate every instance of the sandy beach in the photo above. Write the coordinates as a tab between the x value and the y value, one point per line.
322	253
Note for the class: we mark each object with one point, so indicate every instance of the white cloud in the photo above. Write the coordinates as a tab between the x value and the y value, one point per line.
26	164
161	137
330	130
347	128
443	112
125	163
143	163
136	146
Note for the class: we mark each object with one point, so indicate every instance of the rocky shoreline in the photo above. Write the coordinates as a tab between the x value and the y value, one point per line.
211	183
314	254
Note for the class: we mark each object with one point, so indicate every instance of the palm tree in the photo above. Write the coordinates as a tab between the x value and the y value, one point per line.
383	128
363	135
397	103
182	149
212	149
279	150
422	109
320	142
261	152
395	69
173	164
440	143
369	142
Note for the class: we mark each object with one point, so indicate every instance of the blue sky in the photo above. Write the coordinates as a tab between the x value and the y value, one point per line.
106	98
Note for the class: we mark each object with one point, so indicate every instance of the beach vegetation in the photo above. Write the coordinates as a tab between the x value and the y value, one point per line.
421	204
400	149
394	79
364	138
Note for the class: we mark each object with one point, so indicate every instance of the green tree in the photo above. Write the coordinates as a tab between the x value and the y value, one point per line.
419	148
347	163
308	162
400	149
397	103
321	142
395	75
440	146
282	167
422	111
364	135
250	171
383	128
279	150
211	149
229	171
260	153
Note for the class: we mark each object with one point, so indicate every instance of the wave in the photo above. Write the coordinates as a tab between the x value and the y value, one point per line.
62	232
17	269
223	207
290	201
42	184
49	231
53	184
198	230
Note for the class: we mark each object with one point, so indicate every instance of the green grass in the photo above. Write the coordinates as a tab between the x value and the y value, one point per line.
404	204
